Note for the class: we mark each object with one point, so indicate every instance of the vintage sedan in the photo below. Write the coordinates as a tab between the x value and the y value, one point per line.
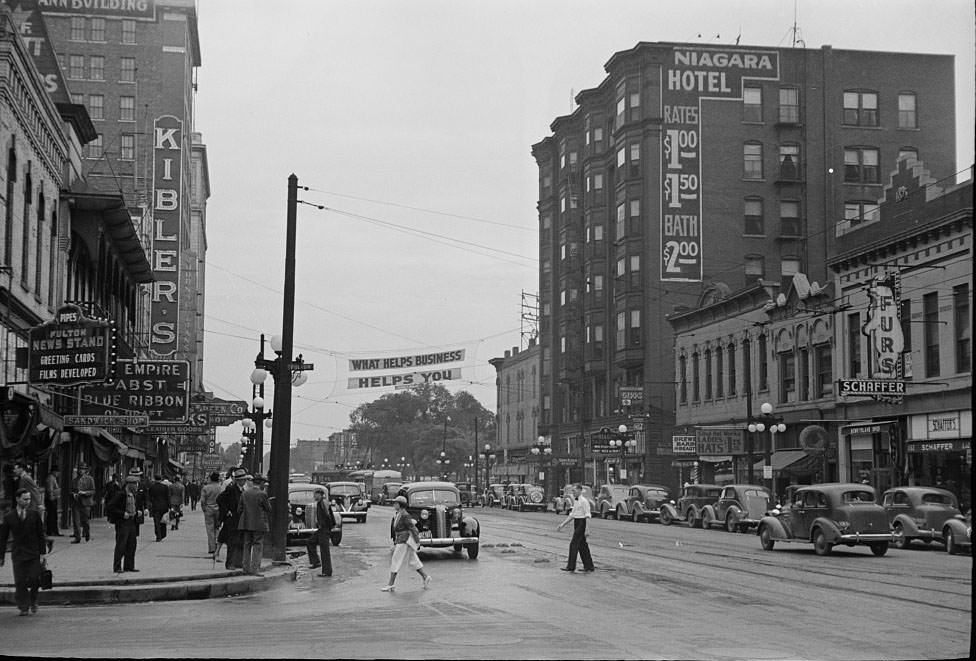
958	533
388	492
563	502
524	497
494	496
441	521
694	497
643	503
918	513
609	500
739	507
301	522
827	515
468	493
349	499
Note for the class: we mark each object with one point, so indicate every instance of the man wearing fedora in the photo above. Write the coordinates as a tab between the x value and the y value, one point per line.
82	499
228	501
125	510
159	505
25	529
254	510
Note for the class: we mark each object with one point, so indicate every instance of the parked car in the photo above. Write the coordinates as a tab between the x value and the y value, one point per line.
494	496
693	499
738	508
389	491
610	497
436	508
349	500
468	494
958	533
826	515
301	523
524	497
563	502
643	503
919	513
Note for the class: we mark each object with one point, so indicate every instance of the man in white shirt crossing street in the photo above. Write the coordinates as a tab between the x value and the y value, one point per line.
580	516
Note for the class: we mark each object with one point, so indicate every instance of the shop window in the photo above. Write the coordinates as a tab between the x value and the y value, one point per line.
789	105
753	223
854	345
861	165
860	108
907	117
930	318
752	161
752	110
962	328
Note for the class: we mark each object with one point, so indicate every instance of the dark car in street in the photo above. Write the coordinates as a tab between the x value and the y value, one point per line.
388	492
349	500
609	500
738	508
301	522
919	513
524	497
494	496
957	533
694	498
826	515
441	521
468	493
643	503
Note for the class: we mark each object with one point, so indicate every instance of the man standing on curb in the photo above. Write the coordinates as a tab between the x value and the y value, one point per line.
52	496
211	512
255	511
83	497
159	506
176	493
125	510
319	551
25	529
580	516
228	501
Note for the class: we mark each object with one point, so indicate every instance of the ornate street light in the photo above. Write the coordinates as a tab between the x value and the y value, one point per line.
774	424
543	450
625	444
489	460
443	462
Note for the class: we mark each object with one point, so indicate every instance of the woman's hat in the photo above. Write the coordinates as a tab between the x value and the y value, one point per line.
400	499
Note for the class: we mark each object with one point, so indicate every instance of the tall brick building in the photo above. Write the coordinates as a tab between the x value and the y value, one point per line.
694	171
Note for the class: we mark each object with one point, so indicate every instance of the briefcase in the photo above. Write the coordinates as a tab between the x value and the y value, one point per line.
46	578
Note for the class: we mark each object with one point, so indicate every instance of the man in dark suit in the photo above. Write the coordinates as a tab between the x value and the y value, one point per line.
227	502
254	511
320	544
25	528
125	510
159	506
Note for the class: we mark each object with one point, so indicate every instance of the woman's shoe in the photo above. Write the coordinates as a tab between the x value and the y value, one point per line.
387	588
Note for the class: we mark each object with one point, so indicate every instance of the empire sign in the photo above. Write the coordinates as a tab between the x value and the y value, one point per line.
155	388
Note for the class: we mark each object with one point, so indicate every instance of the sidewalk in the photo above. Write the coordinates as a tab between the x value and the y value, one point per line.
178	567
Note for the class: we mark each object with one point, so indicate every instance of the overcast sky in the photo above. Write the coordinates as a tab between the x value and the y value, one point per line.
421	115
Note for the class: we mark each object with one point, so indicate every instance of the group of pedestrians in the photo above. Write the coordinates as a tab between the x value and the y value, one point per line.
243	510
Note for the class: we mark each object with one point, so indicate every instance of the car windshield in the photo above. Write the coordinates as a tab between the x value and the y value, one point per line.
344	490
392	486
657	493
301	495
755	493
857	497
936	499
434	497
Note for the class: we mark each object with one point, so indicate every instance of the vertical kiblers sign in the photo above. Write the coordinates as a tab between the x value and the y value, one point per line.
166	215
691	75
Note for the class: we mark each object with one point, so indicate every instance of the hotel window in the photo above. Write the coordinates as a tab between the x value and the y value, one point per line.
789	162
719	372
708	374
752	104
546	361
127	108
789	105
789	266
39	244
907	117
596	284
634	154
747	366
635	221
97	29
597	338
789	218
753	217
763	364
683	379
861	108
25	236
598	181
962	328
621	157
621	330
635	271
804	376
861	212
621	110
96	67
621	226
562	204
906	152
94	148
52	262
598	134
787	377
635	328
621	268
732	375
824	366
77	28
96	106
695	391
128	70
76	66
635	106
861	165
573	159
930	319
128	31
9	213
597	233
752	161
854	345
754	269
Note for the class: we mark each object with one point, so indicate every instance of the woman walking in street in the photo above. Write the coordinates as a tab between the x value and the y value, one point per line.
406	541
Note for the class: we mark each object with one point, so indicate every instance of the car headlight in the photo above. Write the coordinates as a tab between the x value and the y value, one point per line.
299	511
457	515
425	514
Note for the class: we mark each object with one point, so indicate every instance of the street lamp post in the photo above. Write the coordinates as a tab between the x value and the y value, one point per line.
467	468
759	424
543	450
625	443
489	460
442	463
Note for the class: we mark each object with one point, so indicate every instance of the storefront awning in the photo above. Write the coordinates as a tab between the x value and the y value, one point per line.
107	448
715	458
782	459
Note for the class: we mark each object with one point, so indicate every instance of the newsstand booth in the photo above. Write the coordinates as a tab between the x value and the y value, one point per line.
940	453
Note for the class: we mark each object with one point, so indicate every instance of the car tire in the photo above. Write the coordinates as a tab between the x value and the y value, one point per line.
766	539
604	513
820	544
879	549
521	507
665	517
899	538
473	551
693	521
731	525
638	515
707	520
950	542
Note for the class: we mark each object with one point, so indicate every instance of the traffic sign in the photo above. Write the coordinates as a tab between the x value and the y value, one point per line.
767	472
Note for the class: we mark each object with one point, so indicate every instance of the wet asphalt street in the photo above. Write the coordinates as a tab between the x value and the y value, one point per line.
658	592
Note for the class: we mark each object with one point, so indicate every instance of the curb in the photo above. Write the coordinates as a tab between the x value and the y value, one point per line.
206	587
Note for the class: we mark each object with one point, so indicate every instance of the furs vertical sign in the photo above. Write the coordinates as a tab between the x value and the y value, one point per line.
167	225
690	76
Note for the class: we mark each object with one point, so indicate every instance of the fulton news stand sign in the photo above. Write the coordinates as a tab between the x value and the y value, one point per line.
71	349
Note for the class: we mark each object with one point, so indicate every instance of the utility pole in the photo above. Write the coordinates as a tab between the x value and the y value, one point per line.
281	430
476	452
